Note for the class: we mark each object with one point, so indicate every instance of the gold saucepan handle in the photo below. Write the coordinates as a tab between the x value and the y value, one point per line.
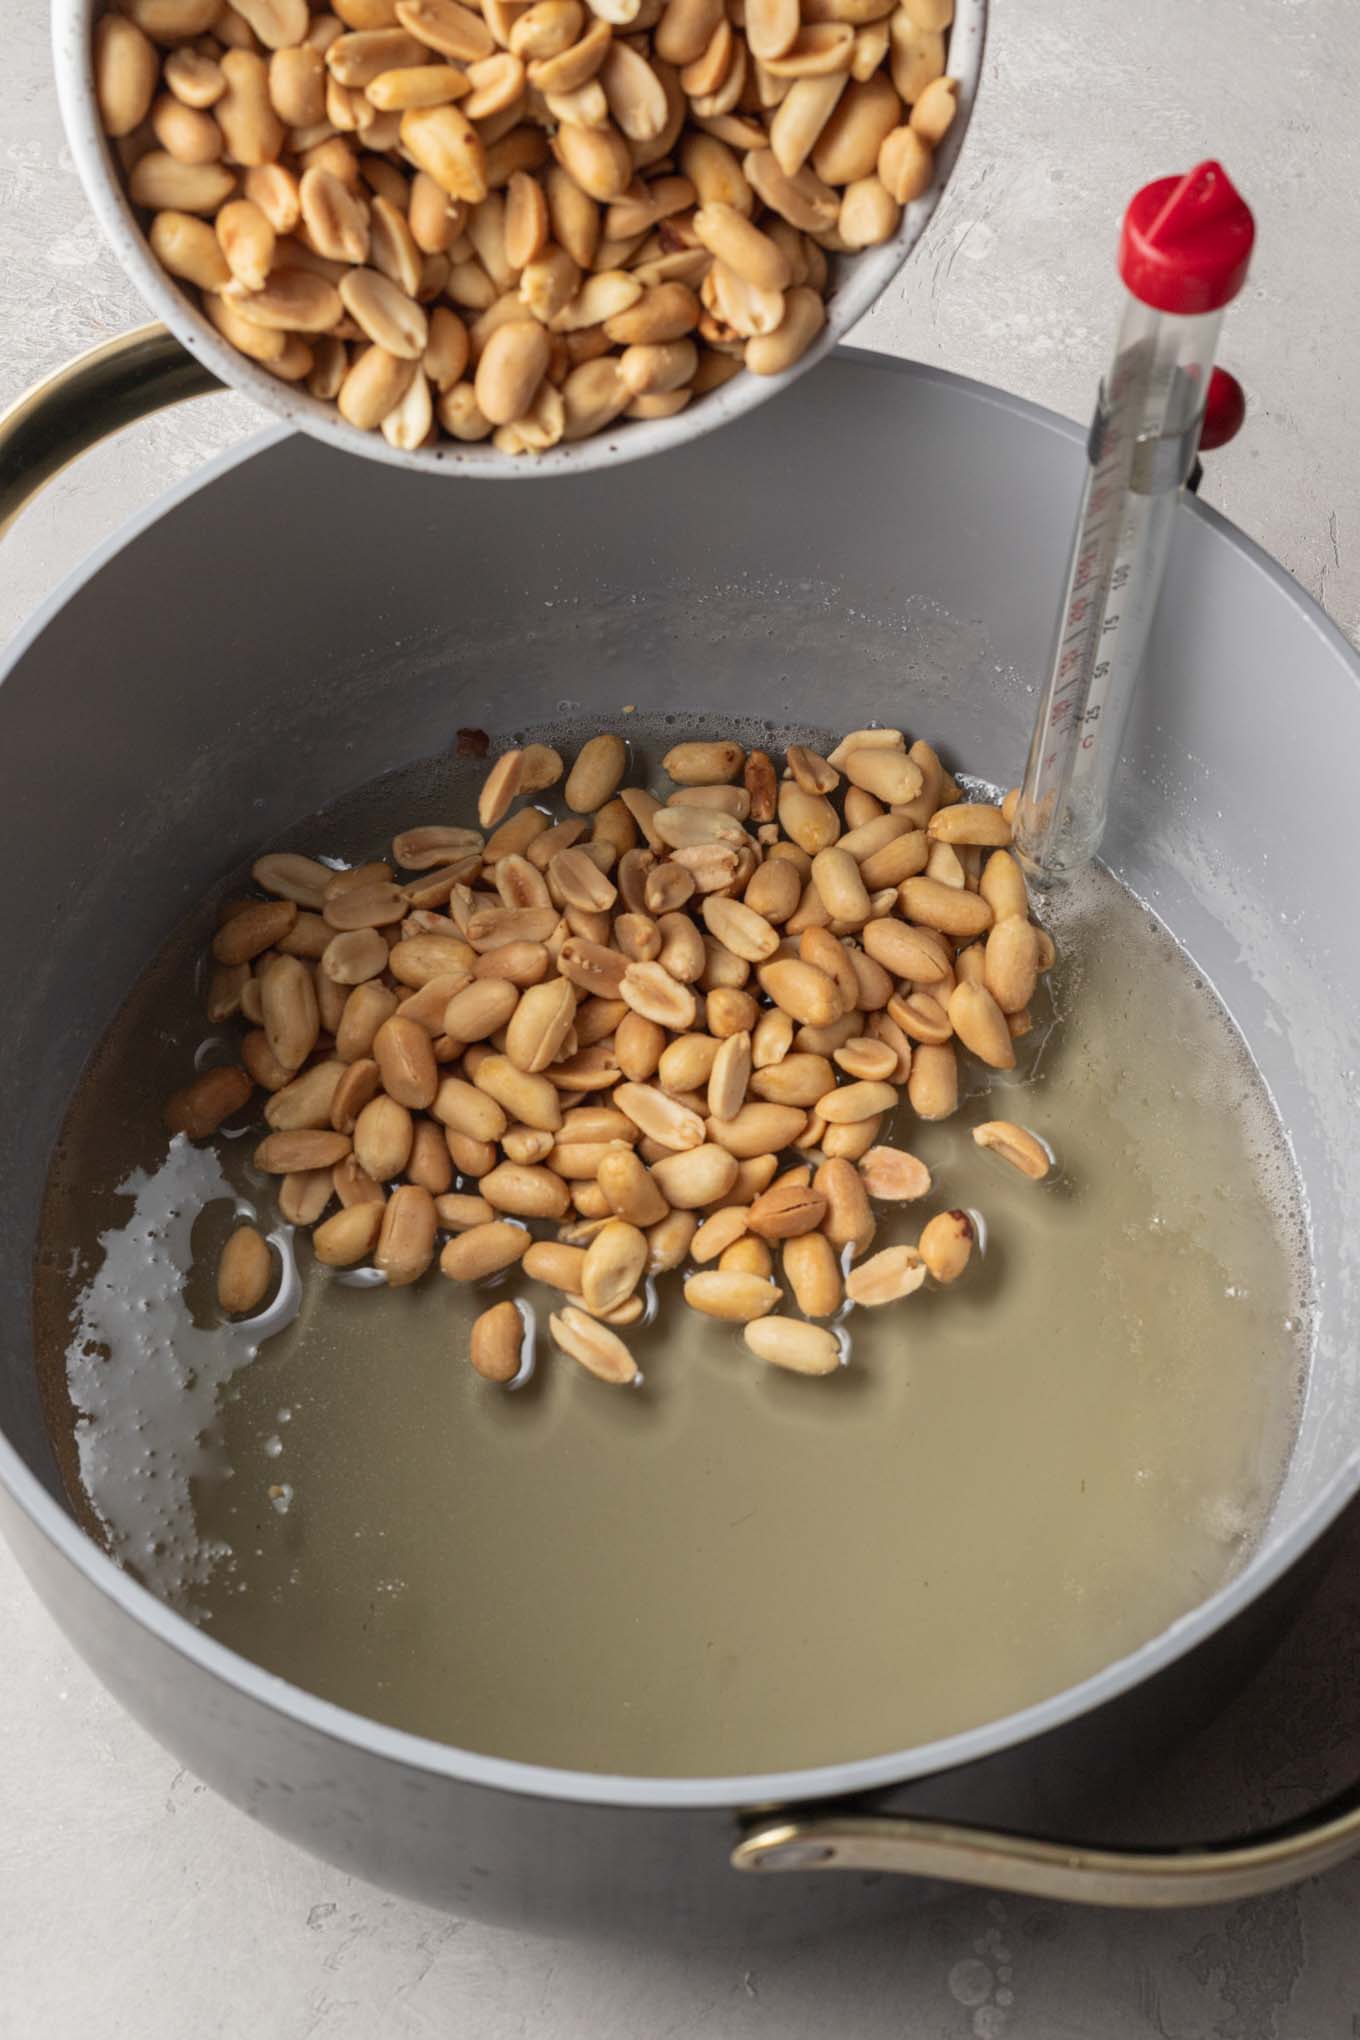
1080	1874
95	395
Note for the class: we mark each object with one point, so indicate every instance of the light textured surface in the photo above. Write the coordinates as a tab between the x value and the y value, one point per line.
136	1904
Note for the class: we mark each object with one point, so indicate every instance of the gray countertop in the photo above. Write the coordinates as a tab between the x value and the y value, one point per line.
132	1901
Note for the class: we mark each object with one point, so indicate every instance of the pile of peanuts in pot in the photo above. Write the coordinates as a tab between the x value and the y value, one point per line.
519	221
648	1037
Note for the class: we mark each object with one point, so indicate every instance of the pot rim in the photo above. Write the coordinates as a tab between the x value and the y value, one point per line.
858	287
844	1780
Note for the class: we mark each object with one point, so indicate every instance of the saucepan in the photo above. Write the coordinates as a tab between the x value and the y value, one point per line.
882	542
856	278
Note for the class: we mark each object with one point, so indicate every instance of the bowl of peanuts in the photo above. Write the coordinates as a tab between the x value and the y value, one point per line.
521	237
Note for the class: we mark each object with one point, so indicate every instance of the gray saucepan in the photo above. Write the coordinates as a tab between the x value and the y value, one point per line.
882	542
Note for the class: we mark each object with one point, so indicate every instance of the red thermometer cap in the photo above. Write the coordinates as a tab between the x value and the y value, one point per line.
1186	242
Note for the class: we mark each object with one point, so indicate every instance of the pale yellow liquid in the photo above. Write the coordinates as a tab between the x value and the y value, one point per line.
728	1568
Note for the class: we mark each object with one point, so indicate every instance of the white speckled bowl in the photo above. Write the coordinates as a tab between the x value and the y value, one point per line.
858	281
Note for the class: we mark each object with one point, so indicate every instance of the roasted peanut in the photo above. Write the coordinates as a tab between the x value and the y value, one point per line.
406	1240
757	1129
282	1154
946	1245
792	1344
786	1210
304	1195
201	1107
981	1025
802	991
698	1177
256	928
244	1272
349	1235
614	1264
367	1006
483	1250
498	1342
849	1221
886	1277
401	1048
595	775
308	1099
1011	960
813	1274
383	1134
724	1293
597	1349
1016	1145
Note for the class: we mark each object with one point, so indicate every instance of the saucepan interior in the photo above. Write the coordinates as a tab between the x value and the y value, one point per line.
300	624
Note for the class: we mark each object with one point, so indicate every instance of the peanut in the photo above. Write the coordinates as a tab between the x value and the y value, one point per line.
649	989
798	1079
727	1294
946	1245
595	776
304	1195
698	1177
597	1349
933	1086
886	1277
631	1190
802	991
406	1240
614	1264
405	1059
528	1098
981	1025
969	822
558	1265
786	1210
125	65
367	1006
734	924
944	907
524	1190
244	1272
350	1235
851	1103
282	1154
813	1274
1016	1145
757	1129
893	1175
481	1008
719	1233
498	1343
866	1057
383	1136
309	1099
257	928
429	1163
661	1118
542	1018
1010	968
790	1343
840	885
849	1221
483	1250
201	1107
